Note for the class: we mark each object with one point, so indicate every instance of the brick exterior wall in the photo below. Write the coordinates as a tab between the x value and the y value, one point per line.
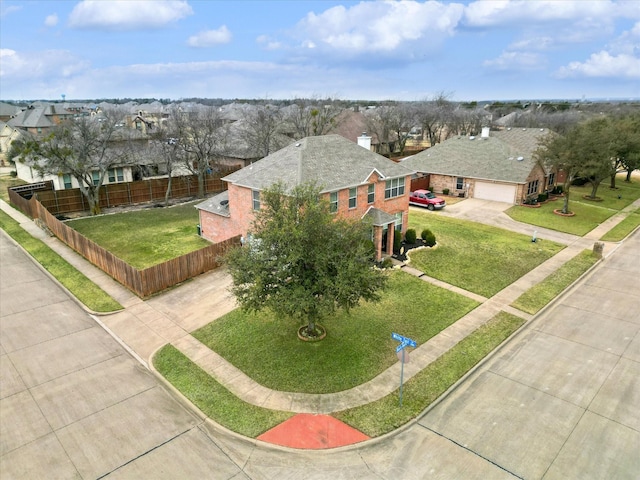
440	182
217	228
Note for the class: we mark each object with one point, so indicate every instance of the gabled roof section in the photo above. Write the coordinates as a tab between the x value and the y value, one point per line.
330	161
31	118
505	155
379	218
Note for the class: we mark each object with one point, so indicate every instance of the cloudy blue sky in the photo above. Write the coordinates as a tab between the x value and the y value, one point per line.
367	50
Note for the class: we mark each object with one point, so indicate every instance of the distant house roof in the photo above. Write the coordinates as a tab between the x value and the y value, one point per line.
7	110
506	155
38	115
330	161
31	118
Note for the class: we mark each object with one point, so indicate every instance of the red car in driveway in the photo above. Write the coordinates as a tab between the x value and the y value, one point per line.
424	198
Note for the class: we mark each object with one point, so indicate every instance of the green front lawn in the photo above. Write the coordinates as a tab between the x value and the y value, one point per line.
588	214
539	295
77	283
358	345
478	258
144	238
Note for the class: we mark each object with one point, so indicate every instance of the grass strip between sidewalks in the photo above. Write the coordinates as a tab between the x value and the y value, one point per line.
624	228
76	282
385	415
539	295
214	400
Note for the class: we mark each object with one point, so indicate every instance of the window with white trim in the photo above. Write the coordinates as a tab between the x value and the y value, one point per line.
115	175
353	197
333	202
394	188
255	196
371	193
532	187
96	177
459	183
552	179
66	179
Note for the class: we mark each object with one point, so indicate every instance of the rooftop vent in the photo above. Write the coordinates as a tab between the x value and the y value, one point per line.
224	203
520	159
298	144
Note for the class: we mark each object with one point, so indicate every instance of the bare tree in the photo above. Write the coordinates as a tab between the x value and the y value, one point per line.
84	148
432	116
263	129
164	141
313	117
200	141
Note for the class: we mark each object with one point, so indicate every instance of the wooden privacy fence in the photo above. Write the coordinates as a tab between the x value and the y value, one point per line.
142	282
128	193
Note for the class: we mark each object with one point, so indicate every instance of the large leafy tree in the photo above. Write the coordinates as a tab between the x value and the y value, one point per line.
85	148
302	261
561	152
626	145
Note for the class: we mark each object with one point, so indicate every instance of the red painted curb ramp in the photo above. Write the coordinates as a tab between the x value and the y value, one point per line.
308	431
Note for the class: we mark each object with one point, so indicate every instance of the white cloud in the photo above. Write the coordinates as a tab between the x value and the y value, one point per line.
620	59
210	38
516	61
268	43
4	11
128	14
51	20
603	65
47	64
484	13
378	27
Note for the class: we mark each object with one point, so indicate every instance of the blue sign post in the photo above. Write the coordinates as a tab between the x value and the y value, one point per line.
404	342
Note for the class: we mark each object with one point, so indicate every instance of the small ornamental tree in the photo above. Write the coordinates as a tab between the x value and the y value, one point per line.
302	261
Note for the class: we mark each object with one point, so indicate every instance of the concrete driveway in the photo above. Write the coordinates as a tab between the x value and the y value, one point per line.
492	213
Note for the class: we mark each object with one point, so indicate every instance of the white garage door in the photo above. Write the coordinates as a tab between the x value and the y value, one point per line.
498	192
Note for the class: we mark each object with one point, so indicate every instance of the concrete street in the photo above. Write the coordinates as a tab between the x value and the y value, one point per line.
559	400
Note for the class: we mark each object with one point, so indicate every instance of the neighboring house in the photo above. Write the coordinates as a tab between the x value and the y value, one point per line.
498	165
39	119
7	135
8	111
357	183
141	163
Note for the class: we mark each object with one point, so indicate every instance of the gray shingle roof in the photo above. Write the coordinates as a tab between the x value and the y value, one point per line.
379	218
506	155
330	161
218	204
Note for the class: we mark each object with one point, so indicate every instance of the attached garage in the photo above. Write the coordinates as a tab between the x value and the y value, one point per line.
498	192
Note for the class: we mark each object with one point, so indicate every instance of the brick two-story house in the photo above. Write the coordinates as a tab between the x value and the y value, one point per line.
357	182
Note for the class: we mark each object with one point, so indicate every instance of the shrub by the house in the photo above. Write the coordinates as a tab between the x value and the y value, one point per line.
428	237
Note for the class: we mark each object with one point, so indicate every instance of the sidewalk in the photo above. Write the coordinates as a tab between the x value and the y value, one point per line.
145	326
